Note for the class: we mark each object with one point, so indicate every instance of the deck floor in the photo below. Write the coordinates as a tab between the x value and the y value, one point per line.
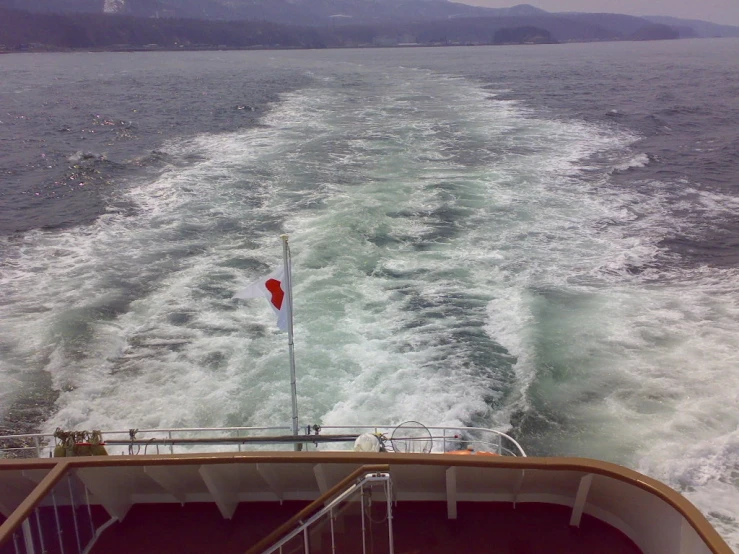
499	528
419	528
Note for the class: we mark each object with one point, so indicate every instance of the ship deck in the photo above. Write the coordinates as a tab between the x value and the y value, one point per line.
419	527
238	502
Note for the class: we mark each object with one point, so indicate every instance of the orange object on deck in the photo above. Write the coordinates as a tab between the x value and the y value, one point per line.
471	453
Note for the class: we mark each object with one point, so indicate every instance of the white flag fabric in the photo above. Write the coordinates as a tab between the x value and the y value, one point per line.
274	288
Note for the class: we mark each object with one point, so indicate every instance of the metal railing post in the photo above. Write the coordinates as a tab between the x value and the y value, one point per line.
74	513
40	533
28	537
389	494
89	512
364	539
333	540
58	524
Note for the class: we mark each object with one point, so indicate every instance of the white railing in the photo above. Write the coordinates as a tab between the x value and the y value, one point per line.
305	539
42	445
409	437
442	439
61	522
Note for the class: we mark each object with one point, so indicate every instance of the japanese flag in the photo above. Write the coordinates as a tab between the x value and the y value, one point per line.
272	287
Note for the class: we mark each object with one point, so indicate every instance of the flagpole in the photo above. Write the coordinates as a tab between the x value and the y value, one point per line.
291	344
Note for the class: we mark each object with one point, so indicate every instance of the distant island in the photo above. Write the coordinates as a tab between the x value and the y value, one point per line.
53	25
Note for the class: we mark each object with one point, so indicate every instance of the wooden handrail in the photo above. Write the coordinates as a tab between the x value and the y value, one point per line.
314	506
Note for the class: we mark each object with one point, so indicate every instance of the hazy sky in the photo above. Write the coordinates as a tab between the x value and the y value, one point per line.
718	11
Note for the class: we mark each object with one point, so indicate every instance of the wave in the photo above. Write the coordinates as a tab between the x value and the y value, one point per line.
640	160
458	259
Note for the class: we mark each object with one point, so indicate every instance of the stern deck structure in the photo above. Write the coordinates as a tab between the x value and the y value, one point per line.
440	503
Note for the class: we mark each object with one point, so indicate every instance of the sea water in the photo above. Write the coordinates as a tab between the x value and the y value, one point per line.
540	239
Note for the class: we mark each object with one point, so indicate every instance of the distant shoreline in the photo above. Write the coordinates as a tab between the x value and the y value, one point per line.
136	49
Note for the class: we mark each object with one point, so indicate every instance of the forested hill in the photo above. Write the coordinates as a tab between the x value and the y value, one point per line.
330	13
21	30
289	12
90	29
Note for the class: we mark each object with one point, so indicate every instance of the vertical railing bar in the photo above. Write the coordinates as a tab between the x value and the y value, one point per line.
171	445
89	512
74	513
29	546
364	539
40	532
38	446
333	540
15	542
306	548
389	494
58	524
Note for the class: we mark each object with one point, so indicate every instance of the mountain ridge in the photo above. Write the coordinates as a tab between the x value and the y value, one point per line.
101	24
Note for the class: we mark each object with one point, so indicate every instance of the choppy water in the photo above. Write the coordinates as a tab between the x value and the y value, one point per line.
539	239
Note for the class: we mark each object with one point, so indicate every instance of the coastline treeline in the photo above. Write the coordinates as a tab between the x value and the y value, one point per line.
86	30
22	30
